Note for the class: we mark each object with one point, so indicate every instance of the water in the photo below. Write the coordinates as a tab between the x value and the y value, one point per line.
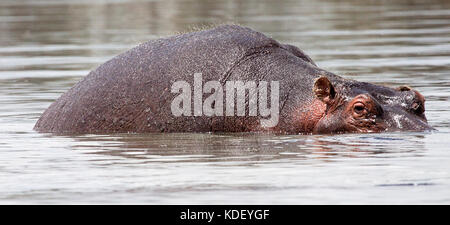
47	46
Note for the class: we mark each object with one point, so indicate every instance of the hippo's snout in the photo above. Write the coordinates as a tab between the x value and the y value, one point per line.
407	111
399	120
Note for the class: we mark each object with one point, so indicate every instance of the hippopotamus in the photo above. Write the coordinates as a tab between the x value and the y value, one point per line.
184	83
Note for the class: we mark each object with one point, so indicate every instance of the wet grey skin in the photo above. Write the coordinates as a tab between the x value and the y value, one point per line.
131	92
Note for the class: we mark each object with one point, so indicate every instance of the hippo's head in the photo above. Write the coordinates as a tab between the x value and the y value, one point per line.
353	106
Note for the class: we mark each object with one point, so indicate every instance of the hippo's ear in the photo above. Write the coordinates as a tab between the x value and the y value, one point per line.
323	89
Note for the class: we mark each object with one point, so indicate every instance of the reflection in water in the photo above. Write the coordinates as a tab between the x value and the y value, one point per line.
47	46
248	148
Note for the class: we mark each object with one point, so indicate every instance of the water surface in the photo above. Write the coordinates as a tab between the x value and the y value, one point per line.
47	46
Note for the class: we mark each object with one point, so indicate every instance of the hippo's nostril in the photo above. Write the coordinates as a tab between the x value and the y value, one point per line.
404	88
418	108
419	103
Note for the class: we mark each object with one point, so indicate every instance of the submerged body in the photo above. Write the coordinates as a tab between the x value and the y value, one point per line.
133	92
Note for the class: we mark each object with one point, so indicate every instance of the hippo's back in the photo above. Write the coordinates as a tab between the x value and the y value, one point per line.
131	92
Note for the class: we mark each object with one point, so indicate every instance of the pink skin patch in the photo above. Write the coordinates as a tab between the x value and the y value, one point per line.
308	119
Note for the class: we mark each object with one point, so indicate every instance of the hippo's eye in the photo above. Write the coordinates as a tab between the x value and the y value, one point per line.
364	106
359	108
